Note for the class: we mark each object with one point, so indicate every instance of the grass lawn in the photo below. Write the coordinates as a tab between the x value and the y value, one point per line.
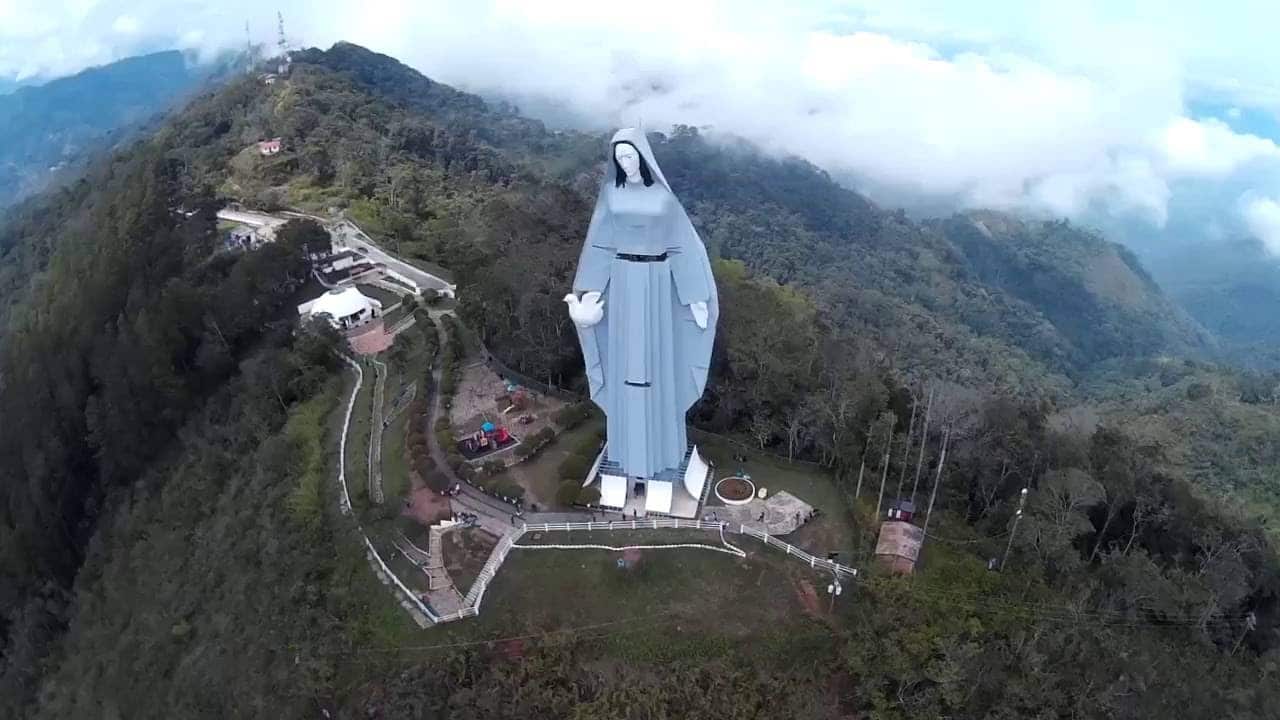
390	319
665	606
411	575
540	476
386	297
395	459
358	435
834	530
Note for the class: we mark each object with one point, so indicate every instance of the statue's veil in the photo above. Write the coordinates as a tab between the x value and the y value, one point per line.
636	137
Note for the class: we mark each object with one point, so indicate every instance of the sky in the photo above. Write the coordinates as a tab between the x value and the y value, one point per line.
1163	116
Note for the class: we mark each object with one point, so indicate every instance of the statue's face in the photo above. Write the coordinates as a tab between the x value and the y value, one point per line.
628	158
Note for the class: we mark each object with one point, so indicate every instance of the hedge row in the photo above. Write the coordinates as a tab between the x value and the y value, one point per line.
531	444
571	416
420	449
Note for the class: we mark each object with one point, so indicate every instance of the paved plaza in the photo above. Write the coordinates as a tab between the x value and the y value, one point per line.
782	513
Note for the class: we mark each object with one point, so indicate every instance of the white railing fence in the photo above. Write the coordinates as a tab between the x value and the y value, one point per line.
811	560
663	523
490	569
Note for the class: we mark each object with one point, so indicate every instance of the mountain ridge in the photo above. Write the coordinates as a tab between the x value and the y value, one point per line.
51	126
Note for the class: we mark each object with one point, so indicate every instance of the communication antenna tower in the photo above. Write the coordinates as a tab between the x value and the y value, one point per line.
282	42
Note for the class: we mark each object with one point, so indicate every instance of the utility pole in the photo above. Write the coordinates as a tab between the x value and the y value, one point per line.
924	439
884	472
942	459
1250	622
248	49
1022	501
906	447
863	464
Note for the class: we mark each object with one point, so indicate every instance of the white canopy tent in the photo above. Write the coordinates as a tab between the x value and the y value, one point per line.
695	475
657	497
613	491
346	307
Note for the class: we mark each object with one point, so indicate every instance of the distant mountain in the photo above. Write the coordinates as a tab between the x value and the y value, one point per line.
48	127
1099	298
1233	289
981	298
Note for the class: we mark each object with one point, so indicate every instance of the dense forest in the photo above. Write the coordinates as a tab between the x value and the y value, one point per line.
167	541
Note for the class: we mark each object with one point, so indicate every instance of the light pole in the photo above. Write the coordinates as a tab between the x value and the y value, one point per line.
1022	501
834	589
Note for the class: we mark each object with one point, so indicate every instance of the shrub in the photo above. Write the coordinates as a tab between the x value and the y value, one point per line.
442	423
589	495
444	439
589	446
1199	391
571	416
508	489
435	479
494	467
524	450
568	492
455	459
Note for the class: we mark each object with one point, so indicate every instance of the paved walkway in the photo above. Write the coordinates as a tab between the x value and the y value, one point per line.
468	499
348	234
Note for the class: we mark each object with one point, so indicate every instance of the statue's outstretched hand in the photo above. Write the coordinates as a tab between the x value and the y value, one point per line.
699	310
586	312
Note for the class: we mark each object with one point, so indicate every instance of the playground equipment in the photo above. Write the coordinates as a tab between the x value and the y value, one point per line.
517	399
488	438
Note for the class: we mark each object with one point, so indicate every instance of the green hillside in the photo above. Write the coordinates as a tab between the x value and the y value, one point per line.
48	127
169	549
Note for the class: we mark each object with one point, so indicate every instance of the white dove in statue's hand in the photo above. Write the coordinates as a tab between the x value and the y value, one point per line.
585	312
699	310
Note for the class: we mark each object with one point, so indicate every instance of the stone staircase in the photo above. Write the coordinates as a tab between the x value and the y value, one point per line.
437	577
441	594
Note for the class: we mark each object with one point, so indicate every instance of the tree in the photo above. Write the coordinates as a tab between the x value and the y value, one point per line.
303	235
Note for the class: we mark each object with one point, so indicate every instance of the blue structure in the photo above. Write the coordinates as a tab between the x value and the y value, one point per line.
648	352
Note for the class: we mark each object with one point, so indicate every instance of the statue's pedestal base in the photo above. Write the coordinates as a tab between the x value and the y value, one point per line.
668	494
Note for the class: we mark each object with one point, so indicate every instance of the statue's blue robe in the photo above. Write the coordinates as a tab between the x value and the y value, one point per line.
647	360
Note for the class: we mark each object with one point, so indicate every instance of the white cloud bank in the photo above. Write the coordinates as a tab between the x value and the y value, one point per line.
1262	215
1066	108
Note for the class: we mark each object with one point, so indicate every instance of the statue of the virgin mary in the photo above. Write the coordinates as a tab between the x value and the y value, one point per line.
647	312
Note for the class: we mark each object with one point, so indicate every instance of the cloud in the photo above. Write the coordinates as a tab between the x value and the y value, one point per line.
1262	216
1066	108
1211	148
125	25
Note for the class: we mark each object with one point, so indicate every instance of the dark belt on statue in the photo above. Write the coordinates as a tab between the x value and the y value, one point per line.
642	258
